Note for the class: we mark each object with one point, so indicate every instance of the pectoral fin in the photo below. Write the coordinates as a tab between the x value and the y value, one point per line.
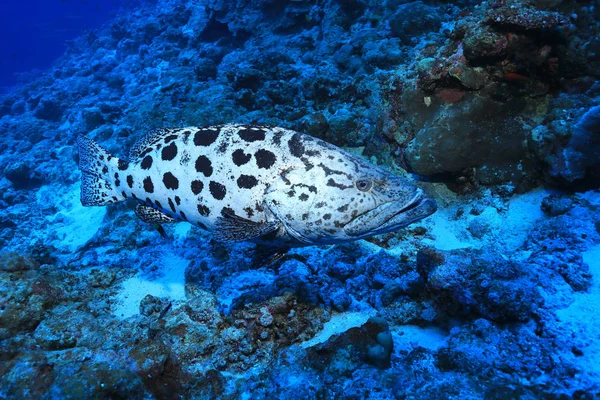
231	228
152	215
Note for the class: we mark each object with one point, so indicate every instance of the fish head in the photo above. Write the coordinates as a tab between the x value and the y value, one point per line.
345	199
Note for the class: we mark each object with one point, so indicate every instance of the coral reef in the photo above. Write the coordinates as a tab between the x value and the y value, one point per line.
494	104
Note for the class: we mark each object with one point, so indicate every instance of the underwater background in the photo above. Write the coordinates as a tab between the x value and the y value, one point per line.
492	108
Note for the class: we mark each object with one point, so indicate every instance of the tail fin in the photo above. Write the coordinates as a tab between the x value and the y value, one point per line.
98	169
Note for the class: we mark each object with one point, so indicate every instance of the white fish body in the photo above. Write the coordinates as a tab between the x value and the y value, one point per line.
248	182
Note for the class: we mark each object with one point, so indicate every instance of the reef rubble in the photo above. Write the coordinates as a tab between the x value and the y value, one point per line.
493	107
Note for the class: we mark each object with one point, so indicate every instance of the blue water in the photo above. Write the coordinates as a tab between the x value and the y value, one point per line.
35	32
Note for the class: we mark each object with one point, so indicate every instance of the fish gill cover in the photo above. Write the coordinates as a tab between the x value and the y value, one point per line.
491	109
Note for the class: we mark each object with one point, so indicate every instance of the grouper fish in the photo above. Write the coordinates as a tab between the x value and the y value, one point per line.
252	183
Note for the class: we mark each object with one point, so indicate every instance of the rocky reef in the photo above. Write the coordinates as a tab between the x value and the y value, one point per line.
494	107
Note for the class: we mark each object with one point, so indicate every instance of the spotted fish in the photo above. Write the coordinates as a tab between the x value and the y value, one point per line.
247	182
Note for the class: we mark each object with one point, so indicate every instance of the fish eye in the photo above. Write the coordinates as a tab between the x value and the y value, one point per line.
363	185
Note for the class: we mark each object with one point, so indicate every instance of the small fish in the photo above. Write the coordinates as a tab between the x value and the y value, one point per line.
254	183
514	77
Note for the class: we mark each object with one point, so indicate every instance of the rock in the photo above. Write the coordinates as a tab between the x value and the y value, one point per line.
482	45
479	227
383	54
49	108
480	283
92	117
523	17
476	132
371	342
556	205
12	262
412	19
22	176
152	305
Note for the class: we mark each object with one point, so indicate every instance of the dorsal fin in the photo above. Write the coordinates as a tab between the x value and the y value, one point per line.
152	215
149	140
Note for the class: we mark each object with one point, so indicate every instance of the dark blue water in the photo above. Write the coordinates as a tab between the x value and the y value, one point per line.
34	32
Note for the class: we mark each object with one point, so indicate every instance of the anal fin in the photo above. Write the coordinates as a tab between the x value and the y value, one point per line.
231	228
152	215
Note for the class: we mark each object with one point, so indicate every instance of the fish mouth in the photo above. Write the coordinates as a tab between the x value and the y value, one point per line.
391	216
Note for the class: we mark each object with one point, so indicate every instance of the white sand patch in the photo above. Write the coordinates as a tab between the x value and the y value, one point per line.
73	225
507	225
181	231
448	234
408	337
581	317
169	282
339	323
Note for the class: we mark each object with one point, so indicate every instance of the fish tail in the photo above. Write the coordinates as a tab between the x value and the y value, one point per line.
98	168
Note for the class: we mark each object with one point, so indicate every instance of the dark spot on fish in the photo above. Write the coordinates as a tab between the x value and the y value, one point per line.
329	171
158	204
307	163
304	217
277	138
333	183
264	159
170	138
133	196
223	147
217	190
239	158
204	165
169	152
247	181
296	146
177	200
123	165
227	211
197	187
249	211
203	210
148	185
338	224
130	181
320	204
205	137
145	152
183	215
201	225
186	136
172	205
170	181
124	194
146	162
291	193
251	135
327	216
312	189
105	170
303	197
343	208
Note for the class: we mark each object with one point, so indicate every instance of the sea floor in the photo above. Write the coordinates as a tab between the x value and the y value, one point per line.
490	294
